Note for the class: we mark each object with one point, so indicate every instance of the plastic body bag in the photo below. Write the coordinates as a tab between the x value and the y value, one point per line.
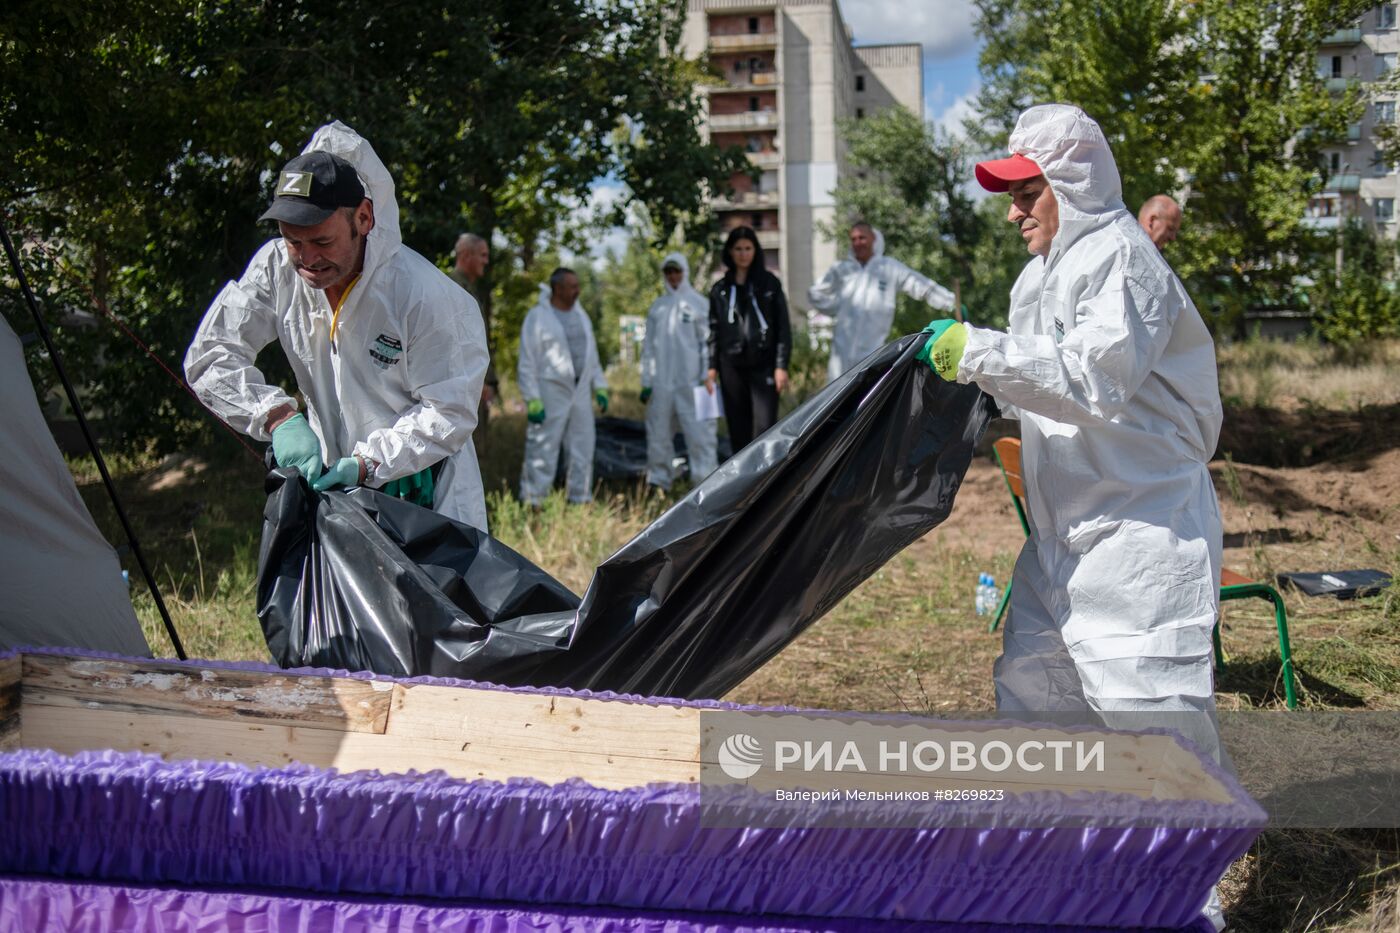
692	605
621	449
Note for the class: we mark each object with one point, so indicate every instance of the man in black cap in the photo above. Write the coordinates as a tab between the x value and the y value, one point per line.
388	353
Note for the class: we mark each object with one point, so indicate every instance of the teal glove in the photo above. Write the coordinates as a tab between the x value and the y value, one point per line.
417	488
534	411
294	444
601	397
646	395
345	472
943	350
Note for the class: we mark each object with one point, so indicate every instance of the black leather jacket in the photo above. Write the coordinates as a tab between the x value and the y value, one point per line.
749	323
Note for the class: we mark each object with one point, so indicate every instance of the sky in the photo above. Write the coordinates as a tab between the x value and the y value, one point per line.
944	29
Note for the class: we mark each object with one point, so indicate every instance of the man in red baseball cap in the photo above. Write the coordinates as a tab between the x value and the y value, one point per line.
1111	373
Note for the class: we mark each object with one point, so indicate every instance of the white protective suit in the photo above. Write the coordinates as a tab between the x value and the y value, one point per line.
862	300
401	384
674	362
546	372
1112	374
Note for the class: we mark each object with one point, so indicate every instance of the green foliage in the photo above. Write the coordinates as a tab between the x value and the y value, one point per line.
1360	303
1219	97
908	180
141	140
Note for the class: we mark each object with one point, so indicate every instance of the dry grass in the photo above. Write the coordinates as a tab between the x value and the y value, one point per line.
1266	373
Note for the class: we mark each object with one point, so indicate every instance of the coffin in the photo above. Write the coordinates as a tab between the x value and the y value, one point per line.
140	790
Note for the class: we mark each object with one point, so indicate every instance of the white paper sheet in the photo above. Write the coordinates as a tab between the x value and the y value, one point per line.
707	407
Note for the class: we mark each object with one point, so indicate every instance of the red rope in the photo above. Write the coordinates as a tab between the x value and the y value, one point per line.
101	305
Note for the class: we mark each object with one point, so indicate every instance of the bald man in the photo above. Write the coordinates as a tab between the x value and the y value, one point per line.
1160	216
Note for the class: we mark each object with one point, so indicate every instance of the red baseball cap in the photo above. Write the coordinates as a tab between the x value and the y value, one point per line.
998	174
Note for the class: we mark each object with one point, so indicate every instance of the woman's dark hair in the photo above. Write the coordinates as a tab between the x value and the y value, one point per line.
735	235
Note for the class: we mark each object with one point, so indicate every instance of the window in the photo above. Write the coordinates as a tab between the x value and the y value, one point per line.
860	83
1385	210
1379	168
1334	162
1336	66
1387	16
753	105
860	113
1385	63
738	66
753	24
1385	112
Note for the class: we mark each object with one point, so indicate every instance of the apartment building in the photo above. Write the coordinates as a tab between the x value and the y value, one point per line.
786	74
1359	183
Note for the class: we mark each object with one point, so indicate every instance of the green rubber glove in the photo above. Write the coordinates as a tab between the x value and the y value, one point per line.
534	411
944	348
646	394
417	488
294	444
601	397
345	472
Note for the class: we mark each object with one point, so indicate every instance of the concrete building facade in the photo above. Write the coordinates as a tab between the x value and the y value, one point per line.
787	74
1360	184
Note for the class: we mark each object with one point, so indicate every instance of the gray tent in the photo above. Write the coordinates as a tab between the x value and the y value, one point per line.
60	582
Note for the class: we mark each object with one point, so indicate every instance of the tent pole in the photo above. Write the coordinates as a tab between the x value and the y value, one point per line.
91	441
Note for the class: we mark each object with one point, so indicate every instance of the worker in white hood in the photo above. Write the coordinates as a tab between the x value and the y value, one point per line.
1112	373
860	292
388	352
559	373
674	362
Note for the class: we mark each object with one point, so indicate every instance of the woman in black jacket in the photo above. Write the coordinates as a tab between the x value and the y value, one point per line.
750	339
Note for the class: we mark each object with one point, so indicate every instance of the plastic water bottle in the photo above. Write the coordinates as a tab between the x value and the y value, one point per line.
981	601
992	596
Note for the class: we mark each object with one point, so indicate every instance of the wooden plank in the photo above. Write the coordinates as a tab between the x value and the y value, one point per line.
71	729
544	723
10	669
338	704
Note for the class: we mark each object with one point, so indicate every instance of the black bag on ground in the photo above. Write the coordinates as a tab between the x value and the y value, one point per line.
690	607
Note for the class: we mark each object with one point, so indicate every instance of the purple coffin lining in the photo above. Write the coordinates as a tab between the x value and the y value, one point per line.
136	817
30	905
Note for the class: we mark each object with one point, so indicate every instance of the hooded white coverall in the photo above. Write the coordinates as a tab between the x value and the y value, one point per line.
1112	373
401	382
546	372
674	361
862	300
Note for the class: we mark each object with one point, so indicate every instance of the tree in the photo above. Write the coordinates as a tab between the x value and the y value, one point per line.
1219	98
910	181
143	138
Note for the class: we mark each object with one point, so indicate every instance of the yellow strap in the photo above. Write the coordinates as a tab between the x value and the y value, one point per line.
335	318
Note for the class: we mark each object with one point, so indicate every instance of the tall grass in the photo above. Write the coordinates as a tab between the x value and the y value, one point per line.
1271	373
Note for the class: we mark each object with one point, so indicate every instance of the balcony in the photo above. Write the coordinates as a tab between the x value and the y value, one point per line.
769	158
744	43
1343	37
1343	184
742	83
770	239
748	120
748	200
1338	85
1323	223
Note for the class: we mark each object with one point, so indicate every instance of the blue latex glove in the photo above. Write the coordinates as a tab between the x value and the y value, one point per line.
943	350
534	411
646	394
417	488
345	472
601	397
294	444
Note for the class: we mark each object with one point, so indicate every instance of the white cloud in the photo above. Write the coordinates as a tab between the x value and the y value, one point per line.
947	115
942	27
603	195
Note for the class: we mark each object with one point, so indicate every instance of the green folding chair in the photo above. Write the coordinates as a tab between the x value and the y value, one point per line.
1232	585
